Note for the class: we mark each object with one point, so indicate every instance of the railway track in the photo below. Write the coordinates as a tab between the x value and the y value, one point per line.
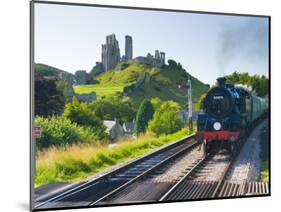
161	178
230	189
204	181
192	182
92	191
176	172
198	181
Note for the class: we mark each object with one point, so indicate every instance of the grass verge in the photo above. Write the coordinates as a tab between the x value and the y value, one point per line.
76	162
264	172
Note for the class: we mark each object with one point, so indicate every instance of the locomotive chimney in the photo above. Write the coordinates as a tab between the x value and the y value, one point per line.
221	81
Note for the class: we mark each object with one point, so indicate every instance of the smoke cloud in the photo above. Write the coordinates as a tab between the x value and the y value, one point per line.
248	41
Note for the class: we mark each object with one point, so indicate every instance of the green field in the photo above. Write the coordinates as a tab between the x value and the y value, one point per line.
101	90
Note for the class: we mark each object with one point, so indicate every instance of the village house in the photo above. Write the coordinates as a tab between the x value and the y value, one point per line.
128	128
114	129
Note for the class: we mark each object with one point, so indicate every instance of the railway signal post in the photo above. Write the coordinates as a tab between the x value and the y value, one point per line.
189	105
189	97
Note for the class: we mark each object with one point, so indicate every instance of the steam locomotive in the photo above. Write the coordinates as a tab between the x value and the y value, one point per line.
229	112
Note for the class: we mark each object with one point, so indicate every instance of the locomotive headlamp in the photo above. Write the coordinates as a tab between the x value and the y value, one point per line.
217	125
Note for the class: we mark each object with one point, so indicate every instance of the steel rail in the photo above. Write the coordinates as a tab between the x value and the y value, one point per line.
190	172
146	173
183	178
223	177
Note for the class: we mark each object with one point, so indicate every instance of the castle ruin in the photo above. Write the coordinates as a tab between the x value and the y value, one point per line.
158	60
110	54
81	77
128	47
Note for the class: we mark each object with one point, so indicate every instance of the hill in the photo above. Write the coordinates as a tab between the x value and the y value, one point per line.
137	81
49	71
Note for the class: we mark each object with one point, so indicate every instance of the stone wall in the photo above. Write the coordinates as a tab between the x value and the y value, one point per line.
81	77
98	68
158	60
86	97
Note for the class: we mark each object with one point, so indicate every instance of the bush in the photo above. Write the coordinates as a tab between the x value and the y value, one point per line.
166	119
60	131
144	115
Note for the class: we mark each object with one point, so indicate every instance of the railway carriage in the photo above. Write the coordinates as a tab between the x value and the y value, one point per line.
229	112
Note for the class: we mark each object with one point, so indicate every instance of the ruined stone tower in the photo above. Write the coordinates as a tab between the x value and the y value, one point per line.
159	58
128	47
110	52
162	58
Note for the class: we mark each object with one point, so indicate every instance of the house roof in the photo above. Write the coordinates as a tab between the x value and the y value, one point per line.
128	126
109	124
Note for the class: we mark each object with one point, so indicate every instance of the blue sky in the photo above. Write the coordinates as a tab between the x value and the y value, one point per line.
208	46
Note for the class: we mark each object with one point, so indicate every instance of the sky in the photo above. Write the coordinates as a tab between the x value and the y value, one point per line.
208	46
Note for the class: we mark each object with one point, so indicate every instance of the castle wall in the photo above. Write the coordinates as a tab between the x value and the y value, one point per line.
81	77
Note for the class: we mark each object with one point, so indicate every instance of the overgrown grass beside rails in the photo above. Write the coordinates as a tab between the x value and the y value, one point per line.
265	172
79	161
264	154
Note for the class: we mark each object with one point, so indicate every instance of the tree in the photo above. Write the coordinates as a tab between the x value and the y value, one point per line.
156	103
172	63
67	90
111	108
80	113
144	115
166	119
49	99
259	84
199	103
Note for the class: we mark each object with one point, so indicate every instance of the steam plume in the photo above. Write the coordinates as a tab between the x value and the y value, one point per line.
248	41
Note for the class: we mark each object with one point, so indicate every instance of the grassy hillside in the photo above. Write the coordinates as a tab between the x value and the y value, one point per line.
163	83
114	81
127	76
